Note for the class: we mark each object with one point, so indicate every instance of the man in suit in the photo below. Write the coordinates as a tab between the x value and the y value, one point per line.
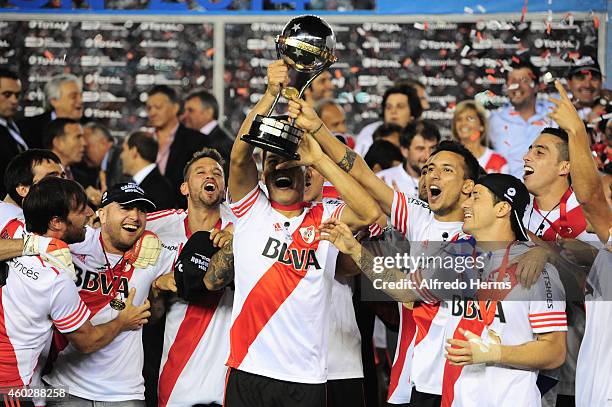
177	143
63	99
65	138
201	113
10	138
138	160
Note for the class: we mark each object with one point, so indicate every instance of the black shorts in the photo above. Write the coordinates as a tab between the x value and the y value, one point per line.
345	393
250	390
418	399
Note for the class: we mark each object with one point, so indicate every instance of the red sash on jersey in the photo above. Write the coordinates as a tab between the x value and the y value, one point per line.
495	163
569	224
270	292
405	338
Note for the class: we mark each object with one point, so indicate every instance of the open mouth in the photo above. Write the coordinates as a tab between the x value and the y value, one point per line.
434	191
514	86
467	215
283	182
210	187
129	228
528	171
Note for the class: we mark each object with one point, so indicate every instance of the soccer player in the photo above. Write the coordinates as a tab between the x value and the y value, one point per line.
451	173
112	260
278	336
39	292
196	334
22	172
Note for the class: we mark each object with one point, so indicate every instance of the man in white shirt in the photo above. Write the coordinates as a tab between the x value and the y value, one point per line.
417	142
138	155
514	127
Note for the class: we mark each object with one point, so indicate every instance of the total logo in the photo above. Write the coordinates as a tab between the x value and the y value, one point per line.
152	26
49	25
44	61
158	63
102	114
99	42
158	44
38	42
98	79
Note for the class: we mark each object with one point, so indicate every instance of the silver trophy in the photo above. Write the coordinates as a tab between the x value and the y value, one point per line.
306	45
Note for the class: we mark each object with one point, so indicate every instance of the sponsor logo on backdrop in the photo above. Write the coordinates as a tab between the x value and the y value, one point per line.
379	27
260	62
158	44
146	80
102	114
380	63
153	26
378	45
4	44
36	94
436	62
374	80
158	63
546	43
30	111
102	61
428	44
97	79
493	43
494	25
98	42
89	96
38	42
100	26
34	60
267	27
48	25
38	78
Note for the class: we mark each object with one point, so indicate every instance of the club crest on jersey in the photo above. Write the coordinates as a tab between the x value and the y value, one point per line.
308	234
299	259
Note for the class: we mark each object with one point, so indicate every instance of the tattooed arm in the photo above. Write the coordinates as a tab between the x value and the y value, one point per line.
344	157
221	268
388	279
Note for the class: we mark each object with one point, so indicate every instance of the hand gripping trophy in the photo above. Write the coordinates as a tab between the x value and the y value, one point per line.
307	45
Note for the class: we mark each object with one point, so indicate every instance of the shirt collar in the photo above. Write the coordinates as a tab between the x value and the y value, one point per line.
208	127
142	174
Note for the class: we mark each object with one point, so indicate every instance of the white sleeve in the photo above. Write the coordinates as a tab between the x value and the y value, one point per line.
165	263
250	203
332	208
547	304
68	311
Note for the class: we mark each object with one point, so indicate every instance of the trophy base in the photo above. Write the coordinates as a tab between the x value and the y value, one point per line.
274	135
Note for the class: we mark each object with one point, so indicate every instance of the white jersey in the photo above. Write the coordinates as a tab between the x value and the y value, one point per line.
419	354
283	288
196	334
548	224
493	163
36	297
9	212
365	138
113	373
405	183
593	379
521	315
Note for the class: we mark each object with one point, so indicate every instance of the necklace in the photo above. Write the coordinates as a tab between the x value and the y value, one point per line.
116	302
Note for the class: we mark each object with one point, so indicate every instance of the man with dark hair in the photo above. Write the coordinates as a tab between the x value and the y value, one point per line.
400	105
201	113
383	155
585	84
389	132
185	383
515	126
22	172
42	288
65	138
417	141
177	143
138	161
10	137
63	99
554	210
321	88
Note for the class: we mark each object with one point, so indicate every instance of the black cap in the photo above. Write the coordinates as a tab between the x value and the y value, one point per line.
510	189
191	266
126	194
585	64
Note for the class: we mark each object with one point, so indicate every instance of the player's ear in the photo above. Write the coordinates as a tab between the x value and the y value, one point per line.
102	215
468	186
57	224
184	189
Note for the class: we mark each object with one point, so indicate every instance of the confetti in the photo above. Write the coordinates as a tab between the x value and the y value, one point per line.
481	9
514	86
468	10
524	11
465	51
419	26
548	77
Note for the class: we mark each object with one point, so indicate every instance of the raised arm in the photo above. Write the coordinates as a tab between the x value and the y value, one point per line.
585	178
243	170
340	154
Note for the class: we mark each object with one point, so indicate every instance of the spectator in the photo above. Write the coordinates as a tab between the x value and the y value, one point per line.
10	138
584	81
138	157
63	99
417	142
177	143
382	155
421	91
201	114
65	138
388	132
332	115
321	88
469	128
515	126
400	105
98	142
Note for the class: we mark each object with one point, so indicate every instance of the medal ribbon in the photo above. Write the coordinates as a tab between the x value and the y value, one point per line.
562	215
120	266
488	314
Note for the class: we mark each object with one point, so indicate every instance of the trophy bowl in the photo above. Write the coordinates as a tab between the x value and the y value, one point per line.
307	45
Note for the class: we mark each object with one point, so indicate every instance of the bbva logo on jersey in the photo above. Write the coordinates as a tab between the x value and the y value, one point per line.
300	259
92	281
469	309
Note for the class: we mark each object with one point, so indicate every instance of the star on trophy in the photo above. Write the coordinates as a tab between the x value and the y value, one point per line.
306	44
